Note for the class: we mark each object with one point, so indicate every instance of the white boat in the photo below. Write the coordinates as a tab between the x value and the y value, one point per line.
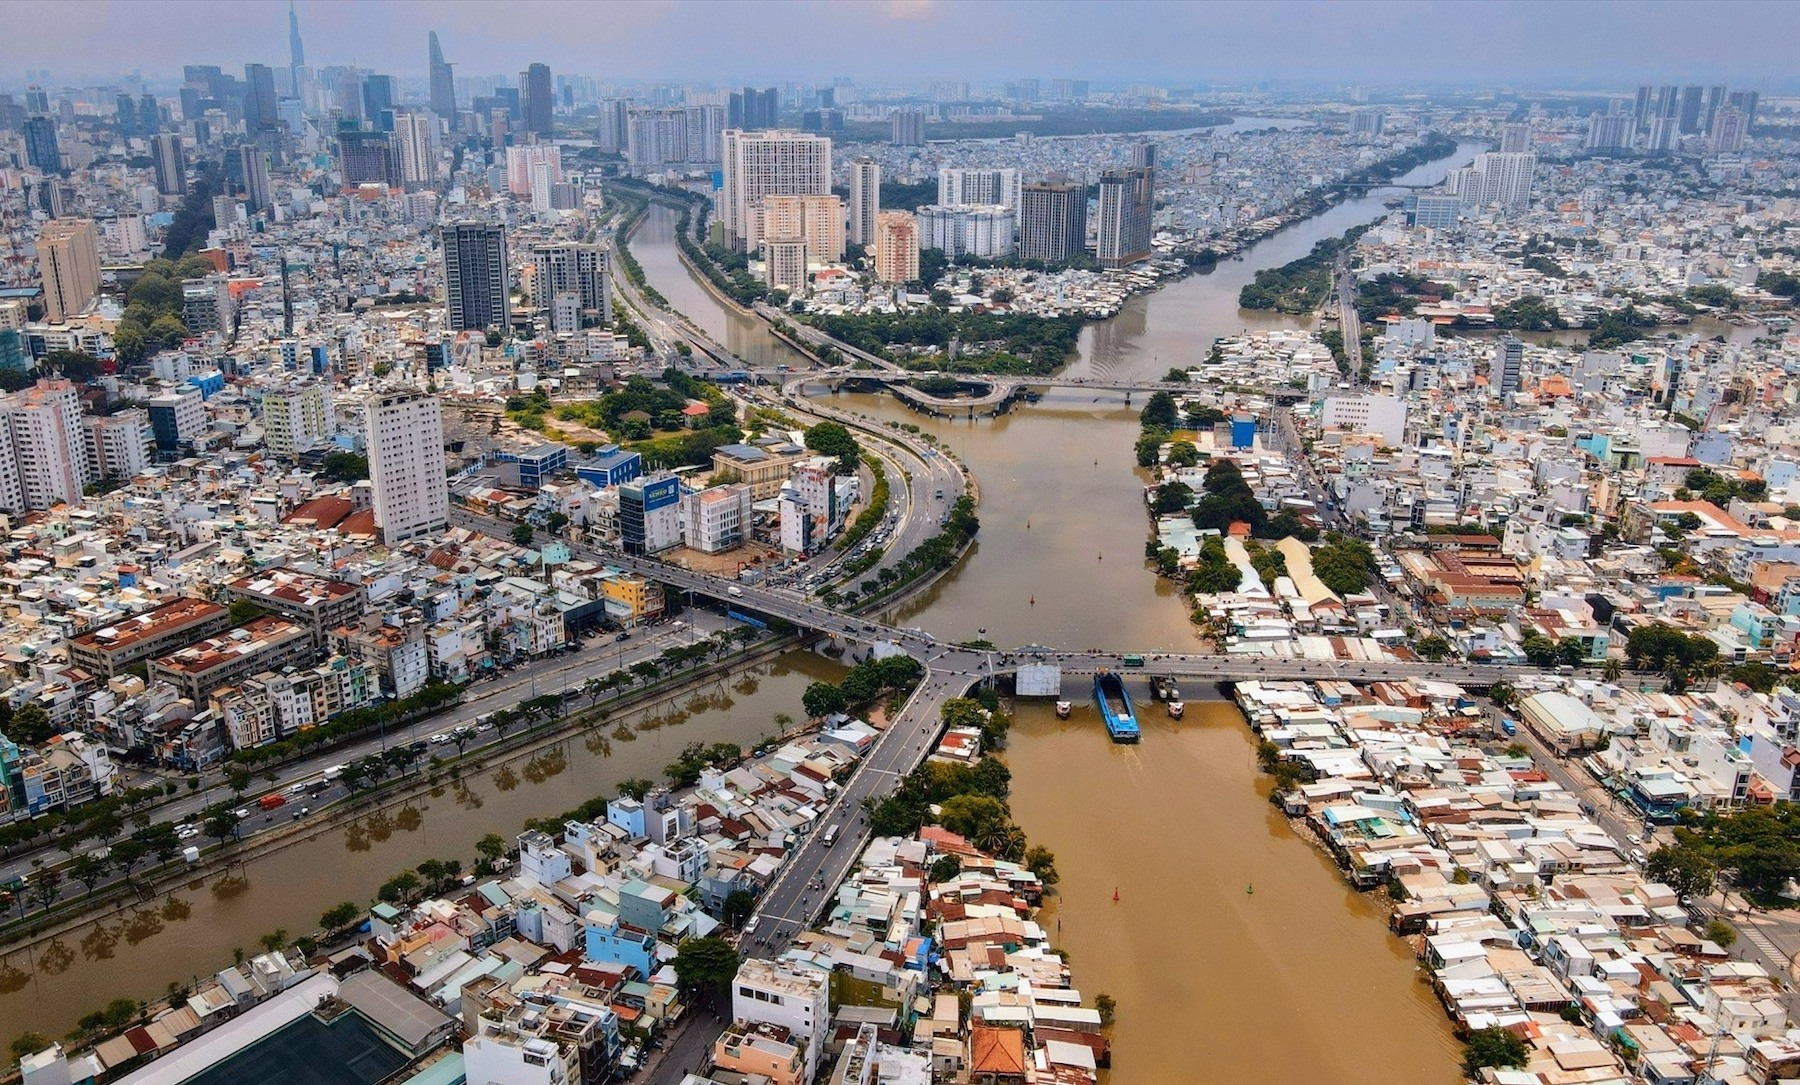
1176	708
1063	708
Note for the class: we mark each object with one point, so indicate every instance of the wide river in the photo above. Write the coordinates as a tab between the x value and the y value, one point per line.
1296	981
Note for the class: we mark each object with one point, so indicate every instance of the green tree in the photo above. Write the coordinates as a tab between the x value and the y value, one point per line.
1042	862
823	699
1172	497
522	534
491	848
30	726
737	907
1720	933
705	965
944	868
89	869
346	467
339	916
972	816
834	439
273	940
635	788
1161	411
1683	869
1433	647
29	1043
1499	1047
1184	454
1107	1008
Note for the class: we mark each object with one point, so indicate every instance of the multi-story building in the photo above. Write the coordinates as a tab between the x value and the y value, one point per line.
717	518
865	200
443	82
44	456
1367	123
971	230
613	134
206	305
367	158
764	992
169	163
896	247
1052	222
817	219
476	277
120	445
761	1052
631	600
979	188
262	644
41	150
253	161
1728	131
650	514
752	109
319	604
1500	180
107	651
759	164
1614	133
535	99
415	140
397	655
908	128
177	416
811	512
579	270
1509	360
296	417
1127	210
404	435
69	264
531	162
784	261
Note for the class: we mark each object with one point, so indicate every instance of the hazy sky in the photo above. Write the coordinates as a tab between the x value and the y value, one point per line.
1565	43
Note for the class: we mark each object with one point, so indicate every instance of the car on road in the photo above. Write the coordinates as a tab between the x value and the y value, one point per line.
302	812
622	637
440	738
242	813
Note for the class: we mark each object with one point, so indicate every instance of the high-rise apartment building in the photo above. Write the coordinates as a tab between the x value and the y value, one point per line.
1508	365
523	164
819	220
1367	123
415	141
170	164
577	270
1052	222
1501	180
758	164
367	158
41	149
985	233
404	434
476	276
615	116
47	463
1515	138
120	445
865	199
896	247
752	109
1729	129
673	135
1127	210
1692	109
443	82
259	98
978	188
253	162
296	418
784	263
908	128
537	100
1615	133
69	262
1744	101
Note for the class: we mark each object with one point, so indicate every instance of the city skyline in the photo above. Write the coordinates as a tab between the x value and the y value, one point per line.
1588	46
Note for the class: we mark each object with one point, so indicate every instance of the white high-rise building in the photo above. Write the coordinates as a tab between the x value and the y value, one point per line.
983	232
865	200
521	160
784	261
296	417
764	992
572	269
1502	179
122	444
415	137
49	463
979	188
773	163
404	433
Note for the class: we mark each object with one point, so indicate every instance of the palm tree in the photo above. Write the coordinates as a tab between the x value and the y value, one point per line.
1612	670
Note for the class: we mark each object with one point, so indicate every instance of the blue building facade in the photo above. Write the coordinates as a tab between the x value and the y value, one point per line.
611	466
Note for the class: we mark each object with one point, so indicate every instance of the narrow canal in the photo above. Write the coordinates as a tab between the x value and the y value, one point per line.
194	930
1298	980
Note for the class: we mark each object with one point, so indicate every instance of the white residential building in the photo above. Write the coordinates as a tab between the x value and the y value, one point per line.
296	417
767	993
415	137
49	453
122	444
1384	416
865	200
717	518
984	231
773	163
979	188
405	440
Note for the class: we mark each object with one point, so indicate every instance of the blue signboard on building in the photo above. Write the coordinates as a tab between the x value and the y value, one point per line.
661	494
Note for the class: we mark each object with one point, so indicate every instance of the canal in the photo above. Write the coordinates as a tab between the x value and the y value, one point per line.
1298	980
193	931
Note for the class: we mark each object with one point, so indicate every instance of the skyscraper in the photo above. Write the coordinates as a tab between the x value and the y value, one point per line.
758	164
1744	101
69	261
896	247
572	269
167	160
40	143
379	94
43	456
1515	138
1693	109
296	51
259	98
149	117
752	109
908	127
865	199
366	158
125	115
615	117
413	139
1502	179
1052	222
1128	209
255	163
535	96
1728	131
404	434
978	187
476	276
443	83
1643	106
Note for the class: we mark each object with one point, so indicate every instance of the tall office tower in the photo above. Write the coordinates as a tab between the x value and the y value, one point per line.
40	144
125	115
1052	222
366	158
476	279
404	434
37	99
1509	360
296	51
1368	122
169	163
1609	133
49	461
69	262
1693	109
259	98
1502	180
1744	101
615	114
149	117
535	96
978	188
255	164
379	95
908	128
1715	101
752	110
865	199
572	269
817	219
415	135
1643	106
443	83
896	247
1728	131
1515	139
758	164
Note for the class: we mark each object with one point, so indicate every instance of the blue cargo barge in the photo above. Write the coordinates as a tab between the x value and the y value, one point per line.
1115	707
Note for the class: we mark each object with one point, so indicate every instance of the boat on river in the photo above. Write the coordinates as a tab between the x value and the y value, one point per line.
1176	710
1063	708
1115	707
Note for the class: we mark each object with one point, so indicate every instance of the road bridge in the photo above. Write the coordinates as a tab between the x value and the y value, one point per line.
1001	391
